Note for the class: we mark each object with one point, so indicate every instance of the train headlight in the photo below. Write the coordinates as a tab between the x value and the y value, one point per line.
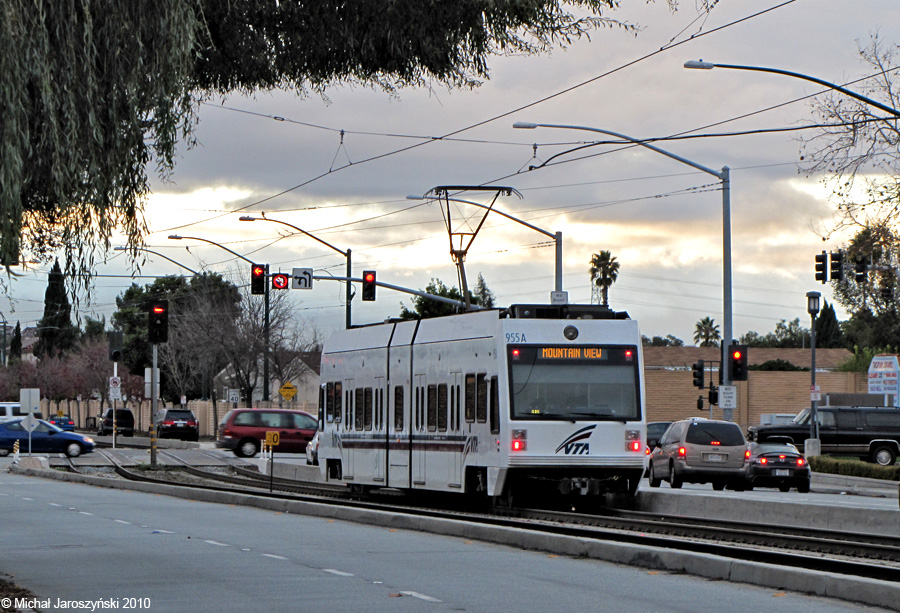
519	440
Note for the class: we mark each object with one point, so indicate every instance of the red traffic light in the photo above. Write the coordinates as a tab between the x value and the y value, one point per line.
158	309
258	271
736	355
369	277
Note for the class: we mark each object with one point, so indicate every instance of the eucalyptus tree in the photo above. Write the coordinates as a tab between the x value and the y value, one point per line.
94	91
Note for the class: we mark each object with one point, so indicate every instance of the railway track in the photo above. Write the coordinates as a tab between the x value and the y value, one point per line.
858	555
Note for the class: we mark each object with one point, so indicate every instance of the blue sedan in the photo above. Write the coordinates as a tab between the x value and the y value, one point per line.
64	422
45	438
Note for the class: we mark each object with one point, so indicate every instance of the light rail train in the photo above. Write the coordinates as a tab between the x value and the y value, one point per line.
511	403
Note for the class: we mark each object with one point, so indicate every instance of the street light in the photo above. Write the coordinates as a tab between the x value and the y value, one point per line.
812	307
701	65
190	270
557	237
265	398
346	254
725	176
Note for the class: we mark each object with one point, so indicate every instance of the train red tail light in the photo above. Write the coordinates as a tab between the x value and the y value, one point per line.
519	440
633	446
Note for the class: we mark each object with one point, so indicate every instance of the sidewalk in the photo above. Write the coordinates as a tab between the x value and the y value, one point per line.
858	486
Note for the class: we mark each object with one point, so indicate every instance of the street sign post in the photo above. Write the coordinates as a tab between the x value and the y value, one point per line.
115	388
302	278
727	396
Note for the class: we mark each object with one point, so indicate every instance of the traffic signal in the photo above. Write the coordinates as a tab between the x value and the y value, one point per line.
257	279
837	265
737	362
697	369
713	396
368	286
281	281
822	267
158	320
861	265
115	346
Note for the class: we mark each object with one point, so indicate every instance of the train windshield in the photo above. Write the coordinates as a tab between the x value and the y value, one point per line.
574	382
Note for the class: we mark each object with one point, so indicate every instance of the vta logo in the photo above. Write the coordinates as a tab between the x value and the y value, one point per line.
573	446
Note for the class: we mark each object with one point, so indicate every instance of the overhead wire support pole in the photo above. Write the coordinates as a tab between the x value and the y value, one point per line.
723	175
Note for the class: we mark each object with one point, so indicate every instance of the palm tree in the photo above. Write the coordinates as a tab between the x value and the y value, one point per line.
706	333
604	271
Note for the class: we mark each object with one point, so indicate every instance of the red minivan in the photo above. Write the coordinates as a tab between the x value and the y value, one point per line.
243	430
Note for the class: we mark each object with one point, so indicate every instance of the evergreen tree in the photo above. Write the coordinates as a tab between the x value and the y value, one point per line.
828	330
482	295
15	345
56	334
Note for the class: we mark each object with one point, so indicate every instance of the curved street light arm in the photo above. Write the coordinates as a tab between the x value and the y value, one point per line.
301	230
191	270
701	65
176	237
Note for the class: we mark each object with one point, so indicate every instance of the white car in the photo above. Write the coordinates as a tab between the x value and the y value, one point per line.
312	450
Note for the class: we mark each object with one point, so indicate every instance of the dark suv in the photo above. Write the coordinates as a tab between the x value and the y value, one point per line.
177	423
124	423
869	433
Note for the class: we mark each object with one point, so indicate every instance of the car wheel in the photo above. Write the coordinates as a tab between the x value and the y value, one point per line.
718	485
803	488
247	448
674	480
73	450
654	482
784	487
4	452
884	456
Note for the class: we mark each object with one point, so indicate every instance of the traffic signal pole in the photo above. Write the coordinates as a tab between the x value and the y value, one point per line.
153	405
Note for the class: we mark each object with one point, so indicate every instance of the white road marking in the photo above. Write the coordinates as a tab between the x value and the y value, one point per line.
272	555
122	521
340	573
421	596
217	543
24	498
53	504
85	513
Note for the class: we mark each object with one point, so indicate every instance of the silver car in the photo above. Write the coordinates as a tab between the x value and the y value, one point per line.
699	451
312	450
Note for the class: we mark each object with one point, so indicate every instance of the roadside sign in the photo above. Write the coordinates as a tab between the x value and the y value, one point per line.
287	391
115	388
815	393
272	437
302	278
234	395
559	297
727	396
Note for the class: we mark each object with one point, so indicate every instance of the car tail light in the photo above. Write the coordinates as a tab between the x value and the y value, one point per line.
646	450
519	440
764	460
800	462
747	455
715	443
682	452
192	423
168	422
782	456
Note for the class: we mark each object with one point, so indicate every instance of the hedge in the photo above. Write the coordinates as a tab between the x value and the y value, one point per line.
853	468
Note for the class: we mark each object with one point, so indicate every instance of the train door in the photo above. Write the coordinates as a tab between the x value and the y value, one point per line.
349	427
398	438
454	434
378	432
419	432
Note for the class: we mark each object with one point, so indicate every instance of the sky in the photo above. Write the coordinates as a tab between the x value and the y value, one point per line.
341	168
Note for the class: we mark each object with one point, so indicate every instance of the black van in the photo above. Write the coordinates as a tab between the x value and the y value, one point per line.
869	433
124	423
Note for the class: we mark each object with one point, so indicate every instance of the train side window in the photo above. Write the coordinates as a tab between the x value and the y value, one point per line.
329	402
338	404
481	404
442	407
321	414
431	419
348	407
495	406
367	408
398	408
377	410
470	398
358	409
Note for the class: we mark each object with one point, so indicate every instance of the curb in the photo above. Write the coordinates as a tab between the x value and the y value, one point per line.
871	592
